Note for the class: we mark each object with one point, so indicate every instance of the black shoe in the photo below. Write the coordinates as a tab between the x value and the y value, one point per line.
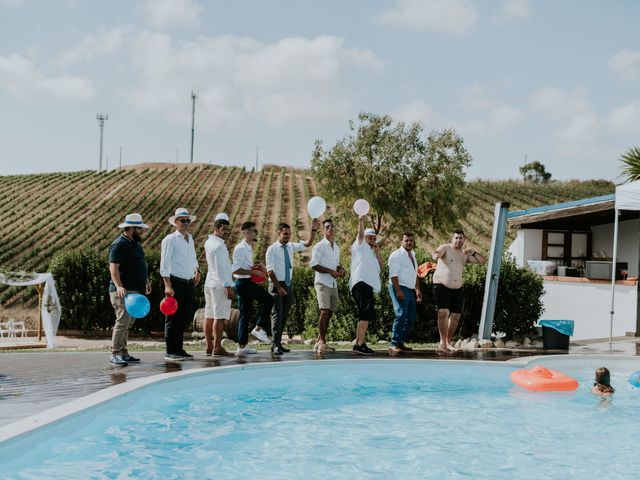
278	350
187	356
285	349
363	349
129	358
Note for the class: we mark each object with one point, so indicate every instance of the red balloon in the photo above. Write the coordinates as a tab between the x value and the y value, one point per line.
169	305
258	279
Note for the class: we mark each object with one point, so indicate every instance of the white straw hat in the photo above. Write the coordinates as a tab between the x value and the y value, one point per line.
133	220
181	213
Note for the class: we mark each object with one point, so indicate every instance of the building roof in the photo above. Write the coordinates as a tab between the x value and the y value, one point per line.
576	215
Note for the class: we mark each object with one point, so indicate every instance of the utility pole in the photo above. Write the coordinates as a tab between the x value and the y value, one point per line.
101	118
120	165
193	118
177	152
257	148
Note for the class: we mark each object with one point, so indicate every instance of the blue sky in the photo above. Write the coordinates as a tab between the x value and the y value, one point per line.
555	81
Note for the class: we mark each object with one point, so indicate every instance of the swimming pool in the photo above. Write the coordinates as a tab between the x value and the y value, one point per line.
339	419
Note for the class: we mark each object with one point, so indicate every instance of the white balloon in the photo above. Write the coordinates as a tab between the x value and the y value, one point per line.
316	207
361	206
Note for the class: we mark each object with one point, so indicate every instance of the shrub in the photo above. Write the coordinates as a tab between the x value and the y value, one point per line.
518	305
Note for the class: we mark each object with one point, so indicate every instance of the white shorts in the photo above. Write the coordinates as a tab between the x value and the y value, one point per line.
216	303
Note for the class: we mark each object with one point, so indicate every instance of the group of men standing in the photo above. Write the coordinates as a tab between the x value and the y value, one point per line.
228	278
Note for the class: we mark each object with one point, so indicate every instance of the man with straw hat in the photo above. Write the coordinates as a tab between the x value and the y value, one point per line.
128	270
180	273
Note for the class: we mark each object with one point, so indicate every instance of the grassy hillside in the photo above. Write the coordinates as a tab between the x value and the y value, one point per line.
49	213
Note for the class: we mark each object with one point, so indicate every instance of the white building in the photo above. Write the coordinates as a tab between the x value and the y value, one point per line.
571	245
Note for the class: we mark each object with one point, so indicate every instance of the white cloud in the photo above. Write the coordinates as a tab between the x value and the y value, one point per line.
626	63
475	97
581	136
239	79
498	119
454	17
104	43
173	13
625	119
556	103
416	111
514	10
21	78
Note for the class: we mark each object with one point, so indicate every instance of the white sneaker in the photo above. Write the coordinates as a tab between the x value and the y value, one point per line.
260	335
241	352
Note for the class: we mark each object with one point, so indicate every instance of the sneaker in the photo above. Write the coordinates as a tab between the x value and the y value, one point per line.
186	356
172	357
260	335
129	358
117	361
277	350
363	349
241	352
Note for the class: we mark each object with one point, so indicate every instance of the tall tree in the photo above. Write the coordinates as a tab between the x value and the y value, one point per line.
535	172
631	164
410	182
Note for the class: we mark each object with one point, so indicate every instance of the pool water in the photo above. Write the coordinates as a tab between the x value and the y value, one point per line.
351	419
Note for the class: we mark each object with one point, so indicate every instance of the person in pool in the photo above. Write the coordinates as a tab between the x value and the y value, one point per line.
602	385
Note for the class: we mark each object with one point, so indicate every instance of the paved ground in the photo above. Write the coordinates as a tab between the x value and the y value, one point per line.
35	381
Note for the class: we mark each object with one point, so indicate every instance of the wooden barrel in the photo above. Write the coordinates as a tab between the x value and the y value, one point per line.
230	326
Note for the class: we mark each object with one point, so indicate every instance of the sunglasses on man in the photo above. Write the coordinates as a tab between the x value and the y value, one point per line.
185	220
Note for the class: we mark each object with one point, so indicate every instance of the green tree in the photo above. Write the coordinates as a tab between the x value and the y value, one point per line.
631	164
409	181
535	172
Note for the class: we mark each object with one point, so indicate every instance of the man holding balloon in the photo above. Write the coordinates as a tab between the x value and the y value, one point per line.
279	258
364	280
248	291
180	274
128	270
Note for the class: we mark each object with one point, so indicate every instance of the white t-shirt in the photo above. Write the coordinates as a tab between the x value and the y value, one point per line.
364	266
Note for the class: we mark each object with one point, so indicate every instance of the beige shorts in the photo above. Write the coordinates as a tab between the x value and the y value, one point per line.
327	297
216	303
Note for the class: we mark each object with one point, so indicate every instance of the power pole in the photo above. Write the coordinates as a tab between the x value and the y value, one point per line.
177	151
101	118
193	118
120	165
257	148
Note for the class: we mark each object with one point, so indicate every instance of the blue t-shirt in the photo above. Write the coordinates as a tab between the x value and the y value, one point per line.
129	256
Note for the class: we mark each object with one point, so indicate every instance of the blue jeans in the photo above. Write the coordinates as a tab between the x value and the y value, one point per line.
405	311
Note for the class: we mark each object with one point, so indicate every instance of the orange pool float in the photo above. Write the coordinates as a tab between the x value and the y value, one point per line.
541	379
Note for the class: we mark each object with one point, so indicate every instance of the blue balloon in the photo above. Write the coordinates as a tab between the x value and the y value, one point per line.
634	379
137	305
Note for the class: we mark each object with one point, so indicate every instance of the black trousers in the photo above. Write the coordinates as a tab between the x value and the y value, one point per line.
174	325
280	312
248	292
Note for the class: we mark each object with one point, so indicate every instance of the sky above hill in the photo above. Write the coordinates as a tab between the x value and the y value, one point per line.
556	82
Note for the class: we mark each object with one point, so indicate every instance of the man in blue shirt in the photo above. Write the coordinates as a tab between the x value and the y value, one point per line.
128	270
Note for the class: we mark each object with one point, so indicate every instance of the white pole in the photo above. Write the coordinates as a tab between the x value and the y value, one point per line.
613	272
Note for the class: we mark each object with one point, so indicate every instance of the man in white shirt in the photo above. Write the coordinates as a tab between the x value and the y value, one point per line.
325	260
447	285
280	272
364	281
180	273
218	288
248	291
404	290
